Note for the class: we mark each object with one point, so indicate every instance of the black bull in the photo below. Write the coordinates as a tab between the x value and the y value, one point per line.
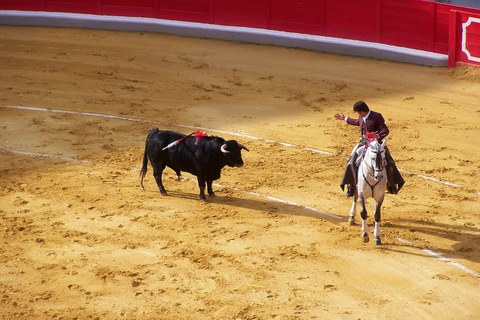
203	157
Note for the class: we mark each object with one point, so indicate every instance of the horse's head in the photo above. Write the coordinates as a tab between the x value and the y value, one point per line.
375	157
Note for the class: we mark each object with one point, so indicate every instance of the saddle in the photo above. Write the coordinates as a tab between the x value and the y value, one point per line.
360	153
351	171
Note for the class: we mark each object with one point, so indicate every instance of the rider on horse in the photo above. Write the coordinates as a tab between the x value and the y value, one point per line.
368	121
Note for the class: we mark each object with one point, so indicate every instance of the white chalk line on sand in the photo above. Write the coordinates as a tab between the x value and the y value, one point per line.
274	199
285	144
442	258
109	116
42	155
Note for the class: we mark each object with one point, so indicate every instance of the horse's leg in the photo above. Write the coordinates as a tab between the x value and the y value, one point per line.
363	214
353	209
377	217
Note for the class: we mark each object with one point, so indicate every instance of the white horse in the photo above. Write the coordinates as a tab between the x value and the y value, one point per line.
372	181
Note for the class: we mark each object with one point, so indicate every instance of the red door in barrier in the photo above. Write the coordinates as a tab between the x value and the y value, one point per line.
464	44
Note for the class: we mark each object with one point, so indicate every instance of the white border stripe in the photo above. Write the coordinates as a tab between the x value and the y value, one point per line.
275	199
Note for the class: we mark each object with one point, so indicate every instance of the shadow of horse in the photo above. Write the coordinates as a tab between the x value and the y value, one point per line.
466	238
264	205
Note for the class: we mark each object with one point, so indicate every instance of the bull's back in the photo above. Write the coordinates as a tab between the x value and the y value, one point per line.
179	157
160	139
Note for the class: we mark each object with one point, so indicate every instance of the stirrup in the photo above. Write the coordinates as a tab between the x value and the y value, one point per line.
392	189
350	191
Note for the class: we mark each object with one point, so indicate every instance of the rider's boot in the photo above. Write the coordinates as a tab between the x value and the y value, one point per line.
350	190
391	186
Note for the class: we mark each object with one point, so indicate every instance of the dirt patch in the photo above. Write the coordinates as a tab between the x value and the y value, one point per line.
82	240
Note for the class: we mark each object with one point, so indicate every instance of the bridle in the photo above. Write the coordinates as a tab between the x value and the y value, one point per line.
377	164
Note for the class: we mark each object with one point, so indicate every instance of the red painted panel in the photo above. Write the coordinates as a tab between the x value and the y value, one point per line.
186	10
129	8
303	16
127	3
442	16
246	13
442	25
468	38
143	12
452	42
200	6
75	6
71	2
34	5
352	19
408	23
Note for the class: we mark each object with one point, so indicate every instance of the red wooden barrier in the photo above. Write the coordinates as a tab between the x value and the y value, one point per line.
129	8
193	10
358	20
298	16
465	38
417	24
408	23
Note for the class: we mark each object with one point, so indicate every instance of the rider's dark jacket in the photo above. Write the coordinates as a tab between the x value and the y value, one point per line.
374	123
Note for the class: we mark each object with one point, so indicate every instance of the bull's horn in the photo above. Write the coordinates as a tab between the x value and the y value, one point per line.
243	147
224	148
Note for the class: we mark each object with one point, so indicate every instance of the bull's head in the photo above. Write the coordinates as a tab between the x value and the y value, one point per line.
232	151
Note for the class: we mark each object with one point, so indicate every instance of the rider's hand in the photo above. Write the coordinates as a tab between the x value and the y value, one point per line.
339	116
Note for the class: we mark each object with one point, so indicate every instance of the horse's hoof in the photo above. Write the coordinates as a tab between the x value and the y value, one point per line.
351	221
378	241
365	237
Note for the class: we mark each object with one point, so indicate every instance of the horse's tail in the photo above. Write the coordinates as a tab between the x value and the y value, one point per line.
143	171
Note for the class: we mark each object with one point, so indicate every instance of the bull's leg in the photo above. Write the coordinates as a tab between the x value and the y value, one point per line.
209	188
353	209
201	185
377	217
363	213
157	173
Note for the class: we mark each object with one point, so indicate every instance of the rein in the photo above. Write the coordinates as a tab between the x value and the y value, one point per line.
371	186
372	169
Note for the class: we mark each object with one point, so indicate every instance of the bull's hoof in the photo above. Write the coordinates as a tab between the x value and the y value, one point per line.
351	221
212	194
378	241
365	237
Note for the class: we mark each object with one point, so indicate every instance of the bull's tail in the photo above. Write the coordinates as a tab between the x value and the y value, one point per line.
143	171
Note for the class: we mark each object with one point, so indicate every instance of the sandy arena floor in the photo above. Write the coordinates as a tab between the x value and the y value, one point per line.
82	240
